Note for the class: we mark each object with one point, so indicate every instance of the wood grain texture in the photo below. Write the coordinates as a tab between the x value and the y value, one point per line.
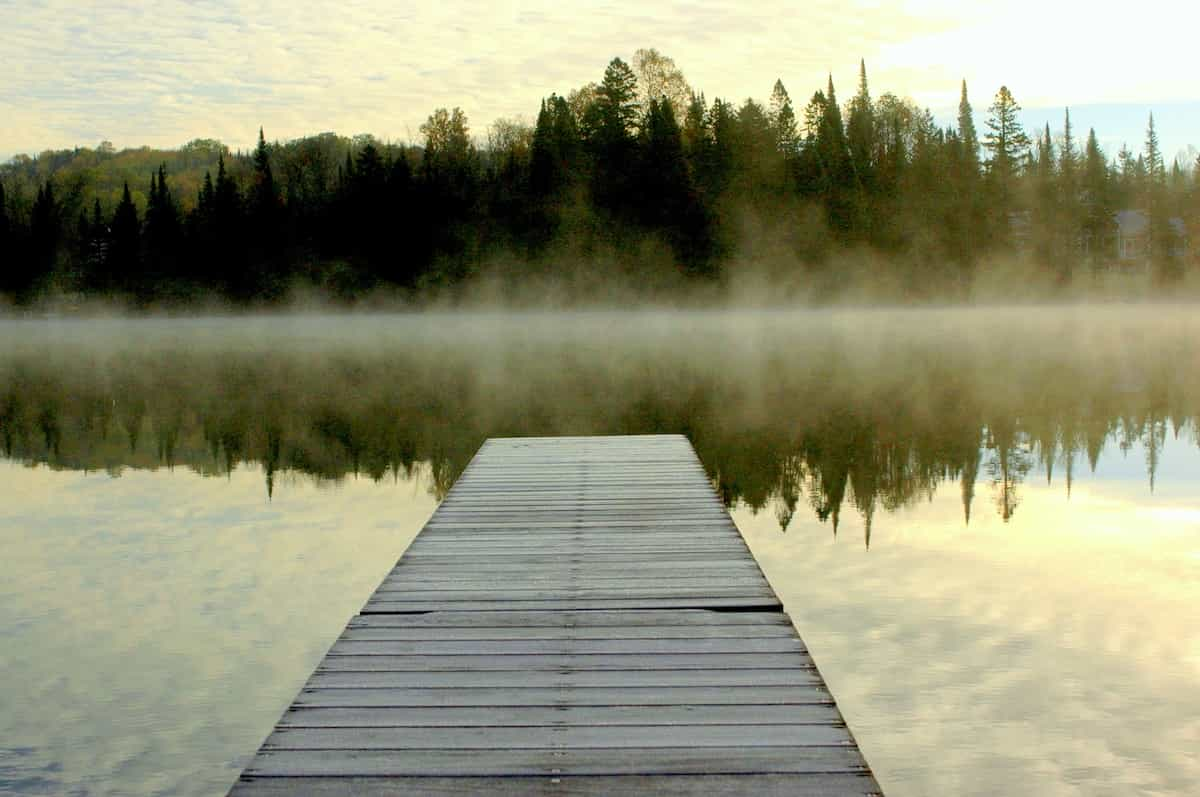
579	616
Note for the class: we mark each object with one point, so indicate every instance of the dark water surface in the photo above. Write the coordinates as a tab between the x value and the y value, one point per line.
985	524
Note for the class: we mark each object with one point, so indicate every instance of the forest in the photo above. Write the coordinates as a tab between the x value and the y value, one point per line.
636	186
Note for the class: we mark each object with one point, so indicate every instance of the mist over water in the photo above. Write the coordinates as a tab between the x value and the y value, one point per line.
983	522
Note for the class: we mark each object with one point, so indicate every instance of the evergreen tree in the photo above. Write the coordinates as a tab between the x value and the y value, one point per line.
837	170
616	101
226	203
226	237
609	123
1096	198
1045	217
1161	236
46	233
263	196
124	251
860	130
783	121
1008	144
966	131
667	200
95	275
5	252
716	156
966	225
757	162
554	150
1071	211
696	133
162	230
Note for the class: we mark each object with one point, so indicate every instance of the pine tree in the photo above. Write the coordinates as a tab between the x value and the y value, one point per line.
967	136
1046	218
1068	190
696	133
227	202
617	100
609	124
124	252
837	169
264	194
967	223
46	232
227	267
1008	144
665	193
1155	169
4	226
555	148
1096	197
162	229
1161	236
860	130
783	121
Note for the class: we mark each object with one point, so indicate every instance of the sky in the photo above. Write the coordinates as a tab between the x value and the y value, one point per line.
166	72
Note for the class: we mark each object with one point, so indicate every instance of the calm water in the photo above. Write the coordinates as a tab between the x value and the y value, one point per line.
986	525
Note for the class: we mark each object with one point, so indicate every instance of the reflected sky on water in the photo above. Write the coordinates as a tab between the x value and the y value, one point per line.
190	512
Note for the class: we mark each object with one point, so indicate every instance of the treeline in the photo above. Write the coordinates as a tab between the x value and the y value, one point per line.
637	180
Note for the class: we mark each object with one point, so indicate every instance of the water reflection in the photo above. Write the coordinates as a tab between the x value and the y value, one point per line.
1022	623
817	415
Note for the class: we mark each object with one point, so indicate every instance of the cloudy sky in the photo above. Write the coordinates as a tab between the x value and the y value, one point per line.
163	73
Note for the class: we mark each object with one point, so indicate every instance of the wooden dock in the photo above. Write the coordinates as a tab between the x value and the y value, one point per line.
580	616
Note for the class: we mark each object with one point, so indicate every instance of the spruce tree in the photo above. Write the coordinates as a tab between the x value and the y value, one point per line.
4	225
967	220
783	121
124	251
695	133
1069	190
9	257
860	130
838	172
226	270
542	160
967	136
46	232
1161	236
1046	218
617	100
1096	197
610	122
264	194
162	229
1008	144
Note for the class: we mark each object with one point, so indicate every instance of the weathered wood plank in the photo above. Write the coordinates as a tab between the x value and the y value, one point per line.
732	602
535	716
539	737
815	784
734	759
567	646
528	695
612	636
484	661
580	619
567	679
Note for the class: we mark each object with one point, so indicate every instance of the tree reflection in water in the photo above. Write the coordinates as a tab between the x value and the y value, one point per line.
796	420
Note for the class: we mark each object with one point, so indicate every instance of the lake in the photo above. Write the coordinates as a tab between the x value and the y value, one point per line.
985	523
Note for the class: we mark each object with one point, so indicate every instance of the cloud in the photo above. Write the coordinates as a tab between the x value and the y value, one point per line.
163	73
